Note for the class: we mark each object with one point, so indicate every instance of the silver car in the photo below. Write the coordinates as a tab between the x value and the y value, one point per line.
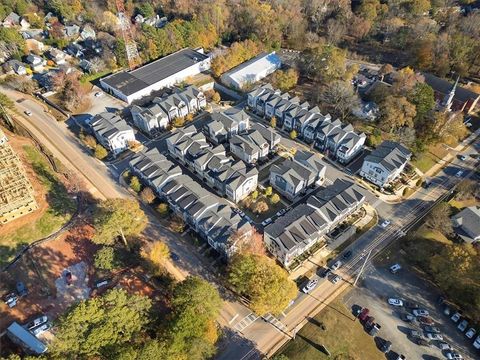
41	329
310	286
36	322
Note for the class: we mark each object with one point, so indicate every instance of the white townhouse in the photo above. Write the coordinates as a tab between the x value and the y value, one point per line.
149	119
225	124
249	147
112	132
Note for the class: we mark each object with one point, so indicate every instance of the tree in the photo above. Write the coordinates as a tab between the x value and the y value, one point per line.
177	224
147	195
293	134
146	10
191	329
106	258
324	63
254	195
422	96
135	184
396	112
236	54
268	191
216	98
115	218
275	199
285	80
273	122
340	98
260	207
100	152
263	282
157	254
439	219
247	243
93	326
162	209
467	189
91	142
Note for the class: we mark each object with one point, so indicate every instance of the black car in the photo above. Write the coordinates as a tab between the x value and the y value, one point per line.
174	257
326	273
386	346
411	305
347	255
21	289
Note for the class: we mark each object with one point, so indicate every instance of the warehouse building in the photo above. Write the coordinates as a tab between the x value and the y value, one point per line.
167	71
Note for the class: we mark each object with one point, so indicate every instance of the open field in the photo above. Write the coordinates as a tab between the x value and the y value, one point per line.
429	158
56	207
344	338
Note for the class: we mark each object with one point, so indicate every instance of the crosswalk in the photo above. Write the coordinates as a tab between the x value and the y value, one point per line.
246	322
251	318
275	322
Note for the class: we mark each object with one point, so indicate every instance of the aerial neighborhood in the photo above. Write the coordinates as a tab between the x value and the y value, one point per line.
240	179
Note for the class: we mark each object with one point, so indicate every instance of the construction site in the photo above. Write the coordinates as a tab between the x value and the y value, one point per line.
16	191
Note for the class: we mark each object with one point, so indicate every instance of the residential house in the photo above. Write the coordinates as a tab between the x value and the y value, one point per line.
16	66
24	24
193	97
253	95
149	119
112	132
292	177
154	169
33	34
249	147
181	139
173	105
270	135
75	49
293	234
12	19
272	102
37	63
367	110
87	32
467	224
227	123
34	45
71	31
309	131
88	66
290	114
385	163
350	146
57	56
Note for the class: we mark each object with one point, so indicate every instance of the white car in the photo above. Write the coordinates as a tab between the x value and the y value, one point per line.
444	346
36	322
453	355
266	222
385	223
310	286
41	329
28	113
336	265
395	302
420	312
463	325
455	317
459	173
470	333
98	94
476	343
432	336
395	268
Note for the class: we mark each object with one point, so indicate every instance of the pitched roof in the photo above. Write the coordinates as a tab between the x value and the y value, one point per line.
468	221
444	87
108	125
389	154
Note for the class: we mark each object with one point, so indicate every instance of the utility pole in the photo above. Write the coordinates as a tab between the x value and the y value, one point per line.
361	269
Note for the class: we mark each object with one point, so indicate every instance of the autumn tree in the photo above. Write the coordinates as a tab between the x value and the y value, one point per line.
156	254
117	218
340	97
293	134
147	195
260	207
162	209
285	80
273	122
247	242
275	199
396	112
100	152
95	325
236	54
135	184
263	282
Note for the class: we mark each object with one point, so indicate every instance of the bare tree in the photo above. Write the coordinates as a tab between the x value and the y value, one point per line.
340	98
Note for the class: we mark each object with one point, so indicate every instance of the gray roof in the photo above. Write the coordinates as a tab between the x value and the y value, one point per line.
107	124
443	86
13	17
131	82
292	172
310	159
390	155
250	143
468	221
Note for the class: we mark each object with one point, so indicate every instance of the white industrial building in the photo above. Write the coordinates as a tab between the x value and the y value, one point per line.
167	71
252	71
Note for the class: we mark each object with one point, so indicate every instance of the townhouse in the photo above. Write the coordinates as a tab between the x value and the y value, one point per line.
162	111
249	147
291	235
112	132
385	163
338	140
292	177
225	124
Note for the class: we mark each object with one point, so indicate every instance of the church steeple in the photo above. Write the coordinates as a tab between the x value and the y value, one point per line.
448	100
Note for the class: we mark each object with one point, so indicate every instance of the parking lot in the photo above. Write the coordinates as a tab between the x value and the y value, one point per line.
379	285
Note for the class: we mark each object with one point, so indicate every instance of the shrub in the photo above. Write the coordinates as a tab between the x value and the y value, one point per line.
163	209
106	258
100	152
268	191
275	199
147	195
260	207
216	98
293	134
254	195
135	184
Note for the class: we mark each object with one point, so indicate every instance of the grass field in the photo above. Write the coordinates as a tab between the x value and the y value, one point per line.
429	158
343	338
60	209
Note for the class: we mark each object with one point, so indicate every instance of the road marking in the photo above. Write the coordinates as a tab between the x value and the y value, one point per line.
246	322
233	319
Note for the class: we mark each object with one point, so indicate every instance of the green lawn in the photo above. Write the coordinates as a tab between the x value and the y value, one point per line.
60	210
429	158
344	338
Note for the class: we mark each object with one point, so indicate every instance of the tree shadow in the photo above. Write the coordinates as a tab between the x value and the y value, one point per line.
234	346
318	347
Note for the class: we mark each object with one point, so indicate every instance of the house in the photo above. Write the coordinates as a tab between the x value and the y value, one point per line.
16	66
225	124
71	31
350	146
194	98
467	224
367	110
167	71
87	32
36	62
75	49
181	139
24	24
252	71
293	234
34	45
339	141
173	105
87	66
33	34
385	163
12	19
112	132
450	96
292	177
154	169
57	56
149	119
309	132
155	21
270	135
249	147
25	339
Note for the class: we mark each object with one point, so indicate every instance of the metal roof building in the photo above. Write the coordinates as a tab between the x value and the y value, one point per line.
161	73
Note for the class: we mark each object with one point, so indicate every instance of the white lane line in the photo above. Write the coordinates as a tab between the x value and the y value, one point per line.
233	319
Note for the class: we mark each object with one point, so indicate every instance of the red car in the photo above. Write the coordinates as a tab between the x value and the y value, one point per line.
425	320
363	314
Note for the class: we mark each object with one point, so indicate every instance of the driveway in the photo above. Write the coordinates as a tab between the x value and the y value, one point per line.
379	284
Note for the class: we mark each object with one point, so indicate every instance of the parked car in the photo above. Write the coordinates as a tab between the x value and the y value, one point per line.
470	333
407	317
28	113
432	336
395	268
102	283
310	286
462	157
266	221
453	355
281	212
425	320
447	310
363	314
386	346
336	265
335	279
395	302
11	300
385	223
68	278
415	334
325	273
444	346
476	343
174	256
411	305
455	317
432	329
401	357
463	325
41	329
420	312
21	289
374	329
422	342
98	94
36	322
347	255
459	173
